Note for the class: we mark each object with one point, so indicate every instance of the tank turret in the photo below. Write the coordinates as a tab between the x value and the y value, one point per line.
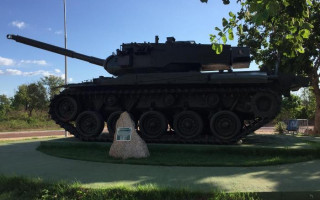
171	56
175	56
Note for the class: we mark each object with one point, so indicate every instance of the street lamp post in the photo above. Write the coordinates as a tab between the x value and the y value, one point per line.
65	46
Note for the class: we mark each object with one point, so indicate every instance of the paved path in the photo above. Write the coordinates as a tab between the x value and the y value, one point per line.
61	133
21	158
25	134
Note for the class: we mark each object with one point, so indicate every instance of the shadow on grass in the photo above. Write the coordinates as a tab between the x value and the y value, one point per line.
185	155
23	159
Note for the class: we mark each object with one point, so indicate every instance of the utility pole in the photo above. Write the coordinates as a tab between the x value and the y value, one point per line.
65	46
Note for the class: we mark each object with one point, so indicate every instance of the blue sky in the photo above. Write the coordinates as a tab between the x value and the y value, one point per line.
96	28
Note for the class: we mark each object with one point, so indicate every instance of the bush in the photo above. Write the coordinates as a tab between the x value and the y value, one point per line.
280	127
19	120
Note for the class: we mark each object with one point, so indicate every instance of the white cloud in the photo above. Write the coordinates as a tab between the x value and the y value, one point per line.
57	71
6	61
13	72
16	72
18	24
39	72
11	62
58	32
36	62
1	72
69	79
49	29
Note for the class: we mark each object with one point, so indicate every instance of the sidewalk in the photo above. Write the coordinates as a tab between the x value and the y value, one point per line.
21	158
30	134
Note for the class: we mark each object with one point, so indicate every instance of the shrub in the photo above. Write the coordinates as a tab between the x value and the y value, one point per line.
280	127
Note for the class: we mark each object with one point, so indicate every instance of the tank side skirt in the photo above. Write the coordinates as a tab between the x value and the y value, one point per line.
91	93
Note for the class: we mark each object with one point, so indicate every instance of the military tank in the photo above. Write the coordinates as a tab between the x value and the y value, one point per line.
176	92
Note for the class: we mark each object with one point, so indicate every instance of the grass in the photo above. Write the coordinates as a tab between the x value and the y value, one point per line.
186	155
19	120
27	188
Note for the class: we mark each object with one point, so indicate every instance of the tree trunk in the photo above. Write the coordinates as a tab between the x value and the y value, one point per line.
30	112
316	90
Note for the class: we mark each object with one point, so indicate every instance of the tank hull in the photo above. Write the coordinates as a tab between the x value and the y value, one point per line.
225	107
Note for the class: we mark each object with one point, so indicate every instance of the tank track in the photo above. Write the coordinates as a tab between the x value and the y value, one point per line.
206	138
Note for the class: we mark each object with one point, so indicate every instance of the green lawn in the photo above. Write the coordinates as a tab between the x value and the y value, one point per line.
186	155
12	188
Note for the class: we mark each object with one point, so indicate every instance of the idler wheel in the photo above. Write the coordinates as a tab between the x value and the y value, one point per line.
89	124
264	105
66	108
188	124
225	125
112	121
153	124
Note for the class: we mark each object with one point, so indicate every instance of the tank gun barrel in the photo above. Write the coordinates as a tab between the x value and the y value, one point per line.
56	49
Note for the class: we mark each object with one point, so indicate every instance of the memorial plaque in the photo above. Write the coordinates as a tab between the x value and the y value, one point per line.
124	134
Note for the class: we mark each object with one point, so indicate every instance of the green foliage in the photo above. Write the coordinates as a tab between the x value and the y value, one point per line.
280	127
20	120
30	97
4	106
285	32
21	97
17	113
53	83
37	96
285	25
290	108
298	107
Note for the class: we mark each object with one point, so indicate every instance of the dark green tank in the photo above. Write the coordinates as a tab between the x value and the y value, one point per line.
176	92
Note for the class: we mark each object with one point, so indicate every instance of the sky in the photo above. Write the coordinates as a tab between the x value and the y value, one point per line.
96	28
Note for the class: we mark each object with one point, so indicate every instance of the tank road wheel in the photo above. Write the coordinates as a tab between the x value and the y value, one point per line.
89	124
225	125
153	124
264	105
112	121
66	108
188	124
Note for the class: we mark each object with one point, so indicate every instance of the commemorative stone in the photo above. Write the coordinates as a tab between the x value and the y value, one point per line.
127	143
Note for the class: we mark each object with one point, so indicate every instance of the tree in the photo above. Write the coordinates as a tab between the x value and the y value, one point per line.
290	108
37	96
21	97
308	104
53	83
31	97
4	105
286	32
